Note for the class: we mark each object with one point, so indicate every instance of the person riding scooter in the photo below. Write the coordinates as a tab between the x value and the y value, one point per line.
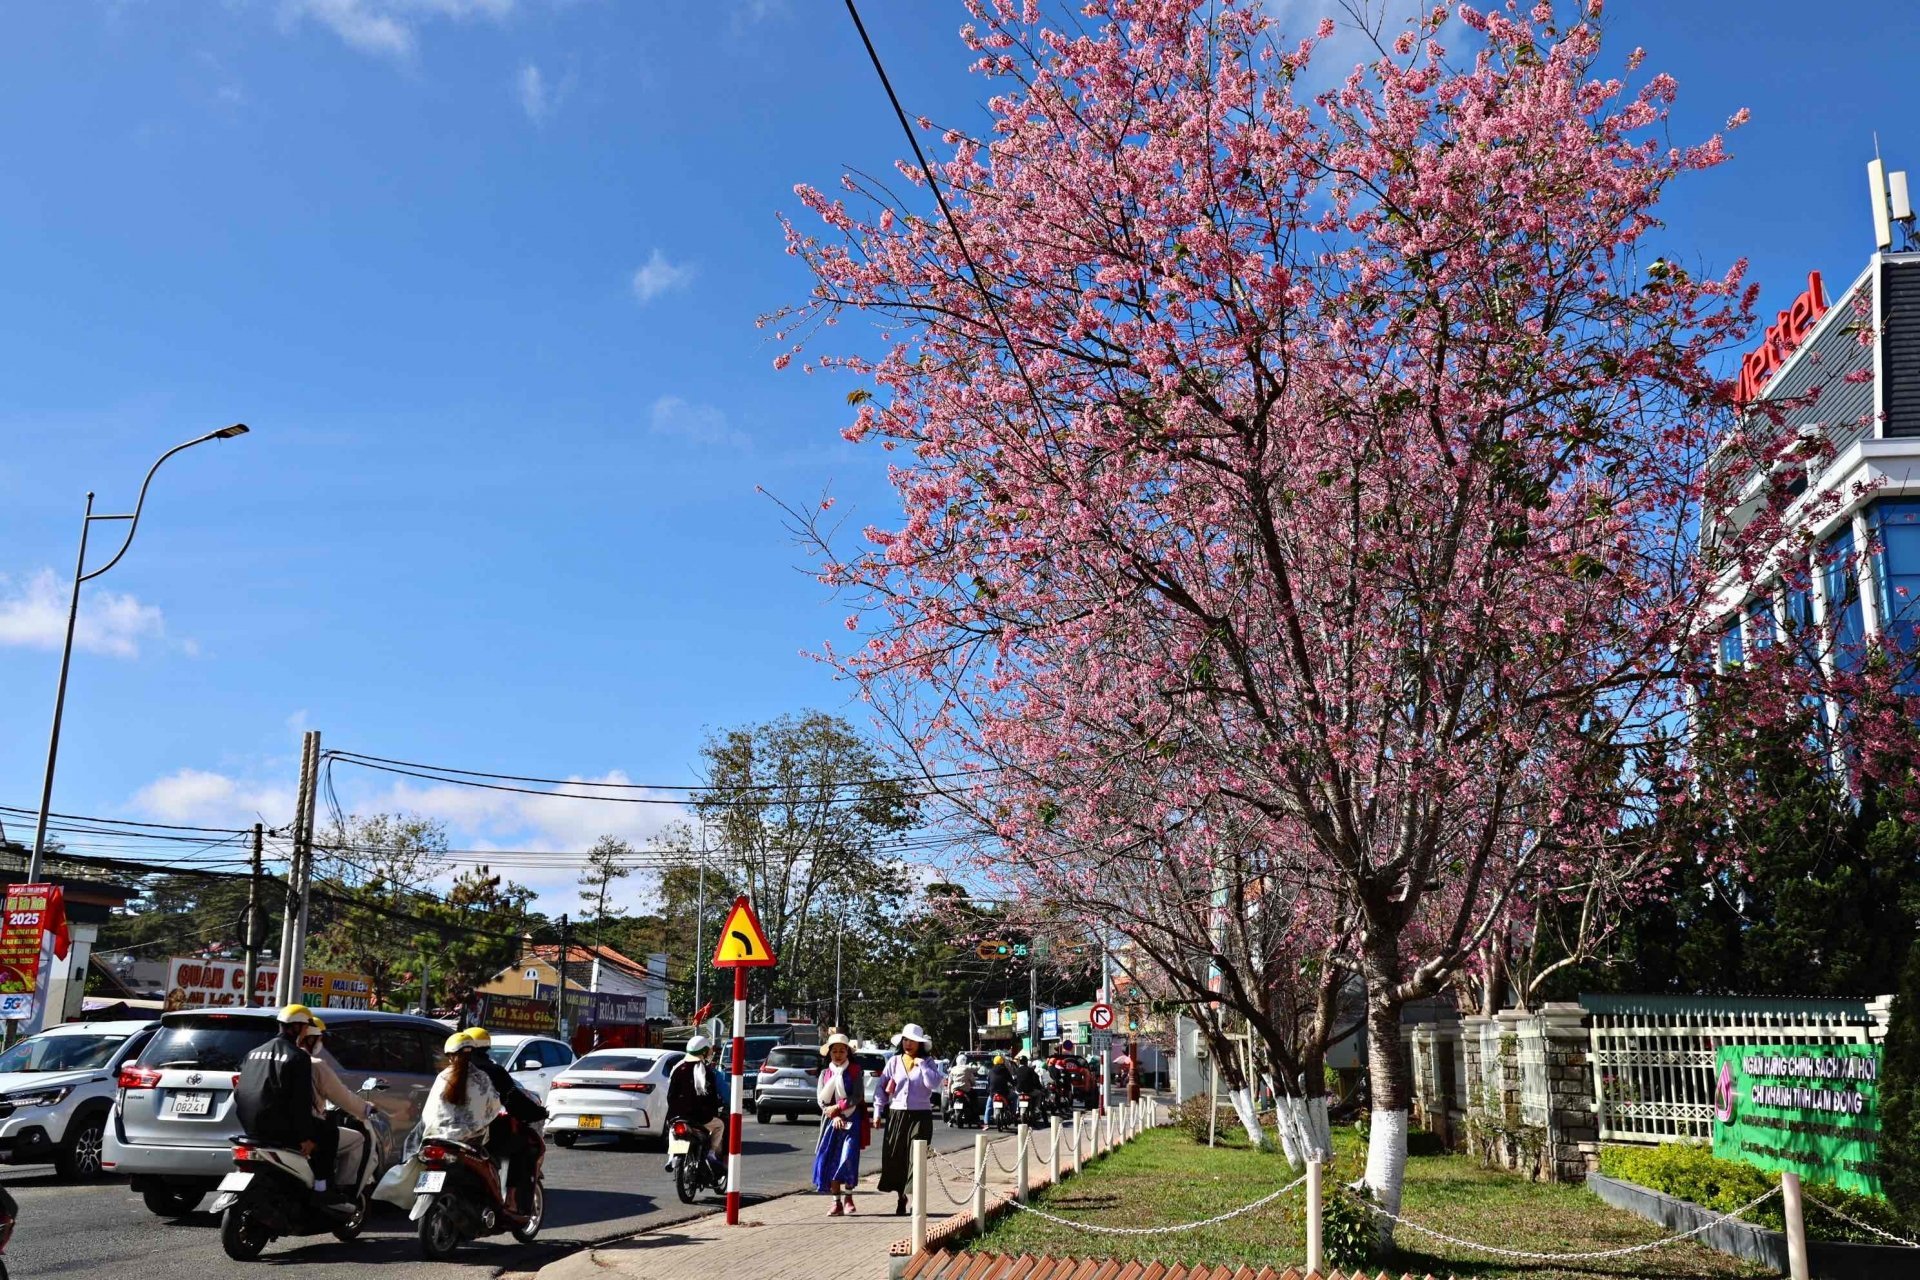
694	1095
1031	1088
999	1089
507	1136
354	1148
274	1097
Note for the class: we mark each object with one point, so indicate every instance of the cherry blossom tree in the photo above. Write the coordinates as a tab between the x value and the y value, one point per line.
1335	462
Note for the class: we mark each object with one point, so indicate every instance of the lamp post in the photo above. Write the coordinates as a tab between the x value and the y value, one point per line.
81	575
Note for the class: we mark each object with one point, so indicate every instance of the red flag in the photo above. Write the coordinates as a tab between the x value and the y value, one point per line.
705	1012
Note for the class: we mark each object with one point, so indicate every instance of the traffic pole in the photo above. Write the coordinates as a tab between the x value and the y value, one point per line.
734	1115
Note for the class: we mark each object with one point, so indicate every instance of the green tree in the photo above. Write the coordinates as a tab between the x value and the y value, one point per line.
606	867
1900	1097
366	913
479	926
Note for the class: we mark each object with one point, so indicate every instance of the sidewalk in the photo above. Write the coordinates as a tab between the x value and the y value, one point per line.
792	1238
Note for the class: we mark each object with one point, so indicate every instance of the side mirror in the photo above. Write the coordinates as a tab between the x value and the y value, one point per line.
531	1064
373	1084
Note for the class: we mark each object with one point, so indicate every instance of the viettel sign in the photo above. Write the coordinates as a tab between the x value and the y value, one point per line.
1810	1108
1788	330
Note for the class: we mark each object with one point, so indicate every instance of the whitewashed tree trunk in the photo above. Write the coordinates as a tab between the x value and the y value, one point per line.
1249	1118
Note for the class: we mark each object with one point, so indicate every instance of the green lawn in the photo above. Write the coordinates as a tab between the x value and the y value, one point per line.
1165	1177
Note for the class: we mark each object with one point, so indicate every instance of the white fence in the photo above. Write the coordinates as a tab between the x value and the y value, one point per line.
1652	1056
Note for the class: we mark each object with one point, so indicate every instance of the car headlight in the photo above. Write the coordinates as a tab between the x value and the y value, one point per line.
38	1097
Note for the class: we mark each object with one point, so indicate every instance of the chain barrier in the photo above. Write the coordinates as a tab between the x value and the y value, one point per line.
973	1183
1864	1226
1524	1255
1097	1229
993	1153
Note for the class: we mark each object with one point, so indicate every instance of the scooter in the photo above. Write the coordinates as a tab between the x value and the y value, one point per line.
270	1194
460	1195
693	1172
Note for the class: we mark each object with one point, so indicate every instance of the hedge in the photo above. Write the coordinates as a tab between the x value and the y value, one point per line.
1691	1172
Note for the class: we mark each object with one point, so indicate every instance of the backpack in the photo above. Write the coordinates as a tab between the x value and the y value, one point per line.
274	1098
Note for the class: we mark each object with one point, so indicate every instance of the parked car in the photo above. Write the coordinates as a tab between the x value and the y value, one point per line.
173	1119
533	1061
758	1047
615	1093
788	1082
57	1089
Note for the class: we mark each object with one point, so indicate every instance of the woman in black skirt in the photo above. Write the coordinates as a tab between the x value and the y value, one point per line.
904	1101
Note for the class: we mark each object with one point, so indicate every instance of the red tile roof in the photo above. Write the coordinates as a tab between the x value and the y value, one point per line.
583	955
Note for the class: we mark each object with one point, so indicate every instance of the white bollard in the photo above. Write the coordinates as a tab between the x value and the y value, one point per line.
919	1168
1314	1203
1794	1211
1106	1133
1053	1156
1024	1136
980	1183
1076	1142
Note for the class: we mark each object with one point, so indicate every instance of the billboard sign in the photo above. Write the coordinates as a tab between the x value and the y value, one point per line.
34	913
521	1014
1813	1109
220	984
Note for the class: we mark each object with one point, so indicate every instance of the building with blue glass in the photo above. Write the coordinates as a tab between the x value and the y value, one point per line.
1837	383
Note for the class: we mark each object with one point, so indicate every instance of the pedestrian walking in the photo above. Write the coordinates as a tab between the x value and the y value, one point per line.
843	1124
904	1100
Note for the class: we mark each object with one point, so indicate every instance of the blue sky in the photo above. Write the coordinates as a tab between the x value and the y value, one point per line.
482	275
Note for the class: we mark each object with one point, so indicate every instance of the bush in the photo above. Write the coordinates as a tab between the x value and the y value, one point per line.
1691	1172
1900	1098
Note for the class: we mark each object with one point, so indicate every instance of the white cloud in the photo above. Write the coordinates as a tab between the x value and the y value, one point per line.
34	615
660	276
748	13
388	27
195	797
700	424
536	99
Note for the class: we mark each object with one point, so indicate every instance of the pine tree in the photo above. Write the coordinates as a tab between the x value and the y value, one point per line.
1900	1097
604	869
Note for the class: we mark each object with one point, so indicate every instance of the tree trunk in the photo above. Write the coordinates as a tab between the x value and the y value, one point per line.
1390	1082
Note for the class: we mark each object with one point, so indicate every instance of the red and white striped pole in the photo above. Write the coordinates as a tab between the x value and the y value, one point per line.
737	1095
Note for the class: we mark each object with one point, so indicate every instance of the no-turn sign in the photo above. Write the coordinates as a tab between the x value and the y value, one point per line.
1100	1017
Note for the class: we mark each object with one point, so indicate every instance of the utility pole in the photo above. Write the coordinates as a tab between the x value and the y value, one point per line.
1106	998
299	876
253	915
1033	1003
426	978
560	995
838	934
700	923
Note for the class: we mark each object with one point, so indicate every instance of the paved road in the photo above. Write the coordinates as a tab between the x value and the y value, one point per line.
595	1192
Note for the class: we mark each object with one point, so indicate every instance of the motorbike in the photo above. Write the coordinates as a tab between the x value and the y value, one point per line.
693	1172
270	1194
460	1194
1034	1110
962	1110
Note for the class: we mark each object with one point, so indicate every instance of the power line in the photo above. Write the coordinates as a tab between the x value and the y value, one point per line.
359	757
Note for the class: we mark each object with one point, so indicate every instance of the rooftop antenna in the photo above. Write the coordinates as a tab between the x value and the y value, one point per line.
1891	202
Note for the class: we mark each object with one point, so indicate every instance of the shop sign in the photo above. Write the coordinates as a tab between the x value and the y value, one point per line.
1813	1109
1789	329
597	1008
220	984
516	1013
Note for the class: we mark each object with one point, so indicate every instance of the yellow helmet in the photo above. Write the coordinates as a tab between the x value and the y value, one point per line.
315	1027
457	1043
479	1036
296	1015
999	1059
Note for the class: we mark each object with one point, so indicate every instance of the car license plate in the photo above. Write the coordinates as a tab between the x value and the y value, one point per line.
430	1182
678	1146
588	1122
196	1102
236	1181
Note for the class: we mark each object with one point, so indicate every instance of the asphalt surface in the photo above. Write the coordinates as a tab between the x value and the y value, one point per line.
595	1192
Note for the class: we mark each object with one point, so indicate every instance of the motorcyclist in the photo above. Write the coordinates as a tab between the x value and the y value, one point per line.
461	1102
695	1095
353	1150
999	1087
274	1097
507	1136
1026	1080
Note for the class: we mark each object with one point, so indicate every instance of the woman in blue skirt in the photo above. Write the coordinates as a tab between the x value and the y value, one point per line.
843	1124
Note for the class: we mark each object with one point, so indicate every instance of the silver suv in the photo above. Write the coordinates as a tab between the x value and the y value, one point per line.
56	1089
173	1125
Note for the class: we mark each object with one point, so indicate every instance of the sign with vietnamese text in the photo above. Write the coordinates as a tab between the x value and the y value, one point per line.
516	1013
597	1008
1810	1108
1788	330
220	984
34	912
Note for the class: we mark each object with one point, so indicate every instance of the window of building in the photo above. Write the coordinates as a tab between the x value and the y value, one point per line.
1845	616
1760	625
1730	653
1896	564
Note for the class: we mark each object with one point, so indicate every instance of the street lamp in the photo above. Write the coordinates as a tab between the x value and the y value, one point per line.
80	575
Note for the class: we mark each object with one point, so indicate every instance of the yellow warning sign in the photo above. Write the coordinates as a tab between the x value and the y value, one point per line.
743	943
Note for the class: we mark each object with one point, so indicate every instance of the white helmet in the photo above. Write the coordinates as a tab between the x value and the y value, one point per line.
698	1045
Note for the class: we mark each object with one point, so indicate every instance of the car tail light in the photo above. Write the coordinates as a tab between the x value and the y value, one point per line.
636	1087
563	1084
767	1068
139	1078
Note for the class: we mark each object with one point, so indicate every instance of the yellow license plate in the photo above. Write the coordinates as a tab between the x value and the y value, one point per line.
588	1122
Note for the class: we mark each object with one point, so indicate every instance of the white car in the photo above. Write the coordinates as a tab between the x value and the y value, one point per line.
533	1061
621	1093
57	1089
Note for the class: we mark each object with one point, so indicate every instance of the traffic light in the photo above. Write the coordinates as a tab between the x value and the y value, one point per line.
993	951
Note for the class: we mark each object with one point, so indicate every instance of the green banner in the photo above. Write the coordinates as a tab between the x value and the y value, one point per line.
1810	1108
